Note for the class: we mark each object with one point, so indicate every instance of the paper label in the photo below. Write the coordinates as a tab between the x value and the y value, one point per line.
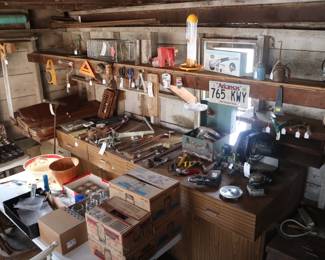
278	136
102	149
247	170
103	50
306	135
150	89
267	129
143	83
283	131
121	83
297	134
52	110
71	243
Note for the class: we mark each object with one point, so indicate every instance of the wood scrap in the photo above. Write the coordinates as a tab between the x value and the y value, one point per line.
184	94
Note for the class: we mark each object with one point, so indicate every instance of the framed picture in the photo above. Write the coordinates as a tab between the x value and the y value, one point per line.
236	57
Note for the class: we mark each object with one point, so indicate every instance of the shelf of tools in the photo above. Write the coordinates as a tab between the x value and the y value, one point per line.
294	90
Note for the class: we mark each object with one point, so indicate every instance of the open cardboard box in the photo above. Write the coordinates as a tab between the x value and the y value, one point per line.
72	188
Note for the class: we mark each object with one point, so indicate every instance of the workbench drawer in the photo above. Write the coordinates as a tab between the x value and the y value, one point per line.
73	145
109	161
219	213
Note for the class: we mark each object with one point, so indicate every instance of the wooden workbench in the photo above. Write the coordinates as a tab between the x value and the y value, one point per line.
213	228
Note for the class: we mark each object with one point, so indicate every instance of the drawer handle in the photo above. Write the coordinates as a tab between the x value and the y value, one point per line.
105	162
211	212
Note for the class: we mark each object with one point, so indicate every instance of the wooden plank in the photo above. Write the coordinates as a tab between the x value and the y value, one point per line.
18	64
124	22
184	5
42	58
37	74
21	85
210	15
184	94
150	105
296	92
17	103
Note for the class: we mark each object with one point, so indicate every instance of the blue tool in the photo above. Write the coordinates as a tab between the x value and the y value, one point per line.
130	74
46	183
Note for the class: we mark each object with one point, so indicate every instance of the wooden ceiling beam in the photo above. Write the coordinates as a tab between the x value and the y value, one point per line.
69	5
219	16
152	5
117	5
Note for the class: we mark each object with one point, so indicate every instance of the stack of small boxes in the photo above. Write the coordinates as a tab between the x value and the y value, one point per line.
141	216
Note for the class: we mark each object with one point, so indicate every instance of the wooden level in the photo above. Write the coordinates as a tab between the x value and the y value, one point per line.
297	92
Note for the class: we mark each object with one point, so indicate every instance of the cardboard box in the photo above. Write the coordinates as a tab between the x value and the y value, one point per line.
119	225
80	186
68	229
148	190
105	253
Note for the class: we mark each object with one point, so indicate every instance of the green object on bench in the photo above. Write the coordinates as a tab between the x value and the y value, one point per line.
12	19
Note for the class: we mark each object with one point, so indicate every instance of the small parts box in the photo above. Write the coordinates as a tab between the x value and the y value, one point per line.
153	192
84	185
70	232
119	226
201	142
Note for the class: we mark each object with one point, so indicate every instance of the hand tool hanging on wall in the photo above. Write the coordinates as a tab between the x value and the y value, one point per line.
86	70
130	74
68	74
3	52
122	74
280	72
108	104
6	48
278	108
51	73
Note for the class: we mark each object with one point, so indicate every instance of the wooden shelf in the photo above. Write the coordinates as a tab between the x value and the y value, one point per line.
42	57
297	92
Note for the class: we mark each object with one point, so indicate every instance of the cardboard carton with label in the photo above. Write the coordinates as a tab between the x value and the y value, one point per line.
158	194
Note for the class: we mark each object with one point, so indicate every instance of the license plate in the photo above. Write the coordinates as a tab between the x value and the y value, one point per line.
230	94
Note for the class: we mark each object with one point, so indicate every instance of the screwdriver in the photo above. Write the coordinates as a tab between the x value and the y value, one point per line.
122	76
130	73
